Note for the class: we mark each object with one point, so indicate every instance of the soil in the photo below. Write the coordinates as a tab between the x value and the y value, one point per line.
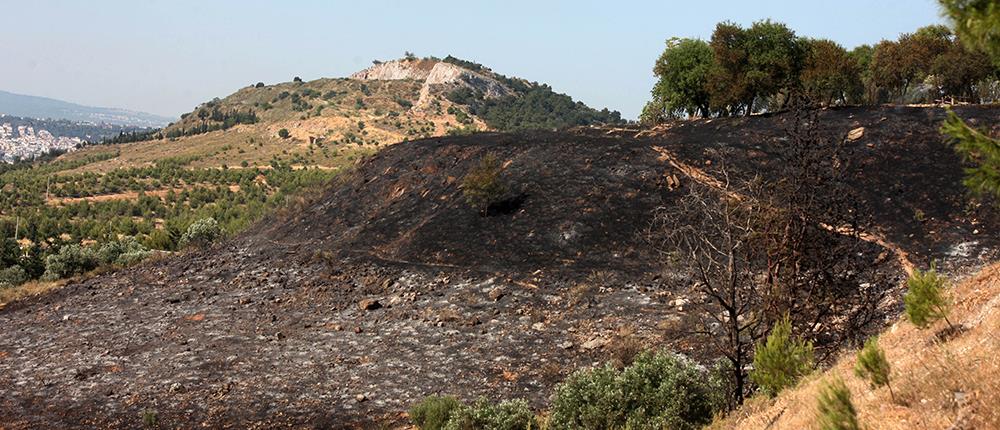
346	310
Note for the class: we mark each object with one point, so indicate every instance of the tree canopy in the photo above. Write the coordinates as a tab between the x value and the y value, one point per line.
766	67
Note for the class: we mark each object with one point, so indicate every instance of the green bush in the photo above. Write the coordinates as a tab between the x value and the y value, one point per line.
201	233
283	133
482	186
483	415
657	391
836	411
433	412
124	252
12	276
925	301
781	360
872	364
70	260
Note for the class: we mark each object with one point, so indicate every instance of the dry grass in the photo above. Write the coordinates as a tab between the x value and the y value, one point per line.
938	385
29	289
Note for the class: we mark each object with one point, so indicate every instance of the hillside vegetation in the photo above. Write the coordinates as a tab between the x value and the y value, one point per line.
939	381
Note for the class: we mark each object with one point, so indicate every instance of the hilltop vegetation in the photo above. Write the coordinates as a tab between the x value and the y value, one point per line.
767	67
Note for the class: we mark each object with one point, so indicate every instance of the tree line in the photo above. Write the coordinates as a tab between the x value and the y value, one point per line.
767	67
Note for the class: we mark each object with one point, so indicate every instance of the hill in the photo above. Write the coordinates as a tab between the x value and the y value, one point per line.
234	159
46	108
387	103
386	287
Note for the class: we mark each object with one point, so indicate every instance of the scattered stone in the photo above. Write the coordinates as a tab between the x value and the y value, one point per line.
369	304
496	294
360	398
855	134
566	345
594	343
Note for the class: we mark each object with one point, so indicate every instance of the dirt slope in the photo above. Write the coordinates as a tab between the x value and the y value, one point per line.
275	328
936	385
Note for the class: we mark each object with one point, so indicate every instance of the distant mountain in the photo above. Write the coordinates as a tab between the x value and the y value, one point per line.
42	107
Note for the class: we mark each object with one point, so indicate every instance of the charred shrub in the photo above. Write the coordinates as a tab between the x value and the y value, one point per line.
482	186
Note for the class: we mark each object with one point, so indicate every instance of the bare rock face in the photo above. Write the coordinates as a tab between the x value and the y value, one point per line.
436	75
397	70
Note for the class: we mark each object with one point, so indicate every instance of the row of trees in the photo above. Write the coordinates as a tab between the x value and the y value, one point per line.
767	66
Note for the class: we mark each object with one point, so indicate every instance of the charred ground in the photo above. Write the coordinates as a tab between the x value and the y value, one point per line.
277	327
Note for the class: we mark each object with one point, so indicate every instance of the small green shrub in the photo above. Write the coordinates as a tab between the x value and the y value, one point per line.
781	360
433	412
283	133
484	415
925	301
872	365
124	252
12	276
70	260
201	233
482	186
149	418
836	411
657	391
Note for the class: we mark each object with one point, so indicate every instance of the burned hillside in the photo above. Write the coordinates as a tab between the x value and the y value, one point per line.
389	287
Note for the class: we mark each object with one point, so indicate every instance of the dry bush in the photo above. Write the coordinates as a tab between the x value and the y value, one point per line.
625	347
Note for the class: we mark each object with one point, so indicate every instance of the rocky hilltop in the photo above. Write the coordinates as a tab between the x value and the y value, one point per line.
436	75
345	309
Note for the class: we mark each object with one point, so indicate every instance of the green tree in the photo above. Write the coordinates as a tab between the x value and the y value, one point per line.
774	58
836	410
873	366
682	70
283	133
729	90
752	64
830	74
862	56
925	300
978	149
958	70
781	360
977	23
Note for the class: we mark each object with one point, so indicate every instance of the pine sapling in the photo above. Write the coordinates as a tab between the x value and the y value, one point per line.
836	411
873	366
781	360
925	299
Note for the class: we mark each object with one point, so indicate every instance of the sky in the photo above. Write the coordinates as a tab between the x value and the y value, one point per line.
166	57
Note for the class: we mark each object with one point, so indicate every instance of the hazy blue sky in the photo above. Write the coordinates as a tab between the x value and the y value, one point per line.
165	57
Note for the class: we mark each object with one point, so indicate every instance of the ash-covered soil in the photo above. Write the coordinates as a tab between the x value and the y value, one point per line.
389	288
